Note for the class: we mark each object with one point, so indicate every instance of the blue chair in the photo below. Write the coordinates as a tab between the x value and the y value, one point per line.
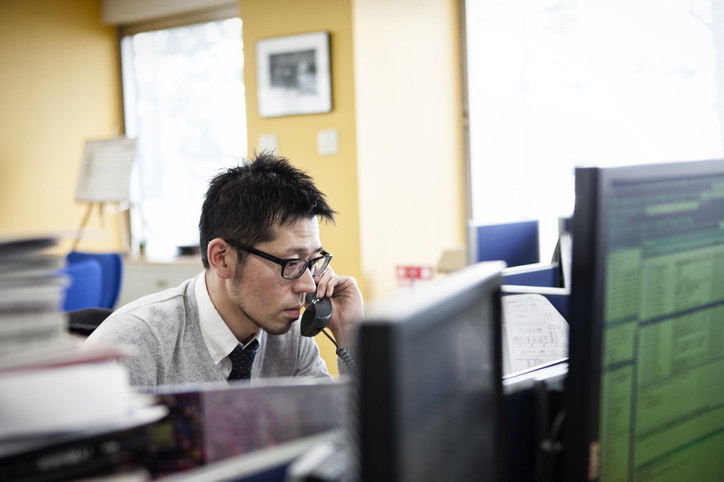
84	285
515	243
111	265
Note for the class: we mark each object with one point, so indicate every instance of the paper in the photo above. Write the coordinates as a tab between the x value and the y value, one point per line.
534	333
62	399
105	174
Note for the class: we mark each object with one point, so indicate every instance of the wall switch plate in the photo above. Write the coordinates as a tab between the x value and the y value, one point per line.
327	142
268	142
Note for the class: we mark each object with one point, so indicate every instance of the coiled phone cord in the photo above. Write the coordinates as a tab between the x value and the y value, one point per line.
341	353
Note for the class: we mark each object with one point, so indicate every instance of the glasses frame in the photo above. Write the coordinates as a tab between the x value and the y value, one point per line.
283	262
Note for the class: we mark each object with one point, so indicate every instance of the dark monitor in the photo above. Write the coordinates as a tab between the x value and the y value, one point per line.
516	243
429	401
644	393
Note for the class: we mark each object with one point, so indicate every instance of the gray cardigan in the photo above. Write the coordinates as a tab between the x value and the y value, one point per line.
168	348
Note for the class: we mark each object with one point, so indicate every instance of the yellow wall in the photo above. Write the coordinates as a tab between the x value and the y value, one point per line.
59	86
335	175
409	135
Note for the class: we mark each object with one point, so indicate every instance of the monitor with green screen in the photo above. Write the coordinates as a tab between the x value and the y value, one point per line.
644	395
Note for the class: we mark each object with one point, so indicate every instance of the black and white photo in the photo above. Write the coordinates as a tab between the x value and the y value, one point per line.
293	75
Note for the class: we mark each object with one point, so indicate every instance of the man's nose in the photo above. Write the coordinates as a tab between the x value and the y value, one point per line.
305	283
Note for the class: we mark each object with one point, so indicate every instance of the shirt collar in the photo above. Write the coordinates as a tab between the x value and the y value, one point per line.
219	339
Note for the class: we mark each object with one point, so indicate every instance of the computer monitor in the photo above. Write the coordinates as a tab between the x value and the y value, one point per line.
428	386
644	398
516	243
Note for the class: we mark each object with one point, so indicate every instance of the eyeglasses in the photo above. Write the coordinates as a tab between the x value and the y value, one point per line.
291	268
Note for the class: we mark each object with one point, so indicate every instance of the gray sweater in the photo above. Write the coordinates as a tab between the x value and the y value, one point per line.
168	348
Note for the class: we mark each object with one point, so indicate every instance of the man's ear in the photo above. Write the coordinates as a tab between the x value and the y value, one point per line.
222	258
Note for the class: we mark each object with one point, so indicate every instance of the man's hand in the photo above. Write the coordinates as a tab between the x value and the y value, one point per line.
347	304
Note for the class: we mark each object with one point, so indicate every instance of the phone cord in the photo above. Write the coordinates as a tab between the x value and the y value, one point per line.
341	353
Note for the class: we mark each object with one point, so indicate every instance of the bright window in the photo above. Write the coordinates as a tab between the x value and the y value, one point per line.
555	84
184	103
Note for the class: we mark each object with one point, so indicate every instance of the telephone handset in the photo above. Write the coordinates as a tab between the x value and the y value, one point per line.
317	315
316	318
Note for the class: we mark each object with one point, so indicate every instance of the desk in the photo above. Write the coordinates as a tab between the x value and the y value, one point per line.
142	277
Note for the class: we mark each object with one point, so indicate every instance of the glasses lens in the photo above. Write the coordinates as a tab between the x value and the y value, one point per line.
294	269
318	265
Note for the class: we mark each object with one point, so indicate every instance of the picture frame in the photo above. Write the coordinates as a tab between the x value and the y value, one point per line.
293	75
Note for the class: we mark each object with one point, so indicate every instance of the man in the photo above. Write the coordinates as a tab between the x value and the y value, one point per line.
261	251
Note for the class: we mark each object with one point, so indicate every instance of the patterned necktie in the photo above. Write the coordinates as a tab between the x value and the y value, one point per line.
241	360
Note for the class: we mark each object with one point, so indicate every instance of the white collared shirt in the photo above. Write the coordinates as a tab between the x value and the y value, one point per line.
219	339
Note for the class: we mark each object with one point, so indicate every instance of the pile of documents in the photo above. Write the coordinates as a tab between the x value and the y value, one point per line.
31	290
59	398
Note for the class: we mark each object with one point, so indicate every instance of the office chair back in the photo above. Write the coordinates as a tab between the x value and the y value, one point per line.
84	284
84	321
515	243
111	275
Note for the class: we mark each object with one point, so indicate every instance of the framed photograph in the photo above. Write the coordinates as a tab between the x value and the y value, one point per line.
293	75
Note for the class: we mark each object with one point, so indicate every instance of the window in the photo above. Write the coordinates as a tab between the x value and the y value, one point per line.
184	103
558	83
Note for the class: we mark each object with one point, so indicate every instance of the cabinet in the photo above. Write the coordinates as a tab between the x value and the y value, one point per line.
142	277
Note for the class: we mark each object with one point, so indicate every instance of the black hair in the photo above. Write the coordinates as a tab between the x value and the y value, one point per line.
247	202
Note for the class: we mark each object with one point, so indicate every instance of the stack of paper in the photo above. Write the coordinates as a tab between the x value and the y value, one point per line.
58	397
31	290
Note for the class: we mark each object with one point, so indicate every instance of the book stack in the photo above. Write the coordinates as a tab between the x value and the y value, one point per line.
67	411
31	290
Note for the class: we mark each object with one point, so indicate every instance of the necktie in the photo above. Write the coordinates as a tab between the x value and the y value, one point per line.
241	360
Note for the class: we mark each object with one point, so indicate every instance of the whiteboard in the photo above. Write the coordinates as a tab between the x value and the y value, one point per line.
105	173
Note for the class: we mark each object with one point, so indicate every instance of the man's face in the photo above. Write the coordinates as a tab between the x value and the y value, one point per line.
260	293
